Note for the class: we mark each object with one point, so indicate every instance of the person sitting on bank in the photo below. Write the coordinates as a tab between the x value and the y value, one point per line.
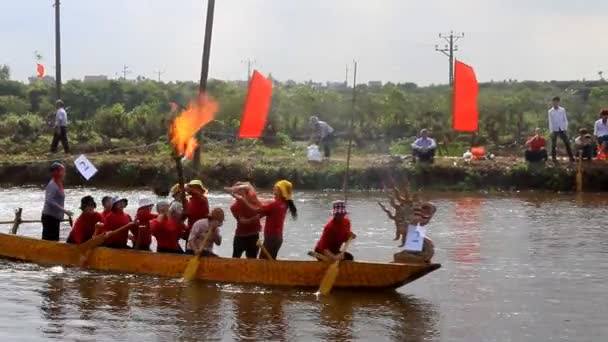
584	145
116	219
84	226
600	129
170	230
201	228
322	134
536	151
335	233
423	149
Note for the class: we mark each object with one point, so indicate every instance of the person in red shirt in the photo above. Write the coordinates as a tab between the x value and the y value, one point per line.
197	206
275	212
116	219
142	236
335	233
169	230
248	225
536	151
106	203
84	227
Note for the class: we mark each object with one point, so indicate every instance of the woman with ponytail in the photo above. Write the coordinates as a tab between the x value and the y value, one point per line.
54	200
275	212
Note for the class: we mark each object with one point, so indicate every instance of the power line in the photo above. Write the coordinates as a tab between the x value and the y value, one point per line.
449	50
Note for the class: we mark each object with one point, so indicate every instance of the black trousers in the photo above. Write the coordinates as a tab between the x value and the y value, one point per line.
50	228
536	156
246	244
326	144
564	136
427	155
347	256
587	151
168	250
272	245
602	139
62	136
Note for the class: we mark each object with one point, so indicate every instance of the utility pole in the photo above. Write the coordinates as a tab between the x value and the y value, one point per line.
196	160
346	77
449	50
351	133
249	63
125	71
57	50
158	73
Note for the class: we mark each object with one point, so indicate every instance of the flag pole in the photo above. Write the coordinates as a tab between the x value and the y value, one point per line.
350	135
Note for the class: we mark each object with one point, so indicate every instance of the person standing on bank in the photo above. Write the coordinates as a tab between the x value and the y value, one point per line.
558	125
322	134
600	129
61	132
54	201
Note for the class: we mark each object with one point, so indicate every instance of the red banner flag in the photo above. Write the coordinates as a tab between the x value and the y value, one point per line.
465	114
256	106
40	70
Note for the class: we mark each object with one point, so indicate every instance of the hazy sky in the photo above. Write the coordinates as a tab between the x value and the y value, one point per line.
393	40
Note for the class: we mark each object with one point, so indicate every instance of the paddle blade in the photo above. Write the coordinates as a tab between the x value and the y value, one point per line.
330	278
191	269
94	242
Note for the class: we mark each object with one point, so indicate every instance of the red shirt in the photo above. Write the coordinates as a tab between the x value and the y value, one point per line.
536	143
144	216
167	233
113	221
84	227
275	212
105	212
335	233
238	209
197	208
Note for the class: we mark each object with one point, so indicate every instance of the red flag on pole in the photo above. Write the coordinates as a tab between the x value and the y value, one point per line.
465	114
256	106
40	70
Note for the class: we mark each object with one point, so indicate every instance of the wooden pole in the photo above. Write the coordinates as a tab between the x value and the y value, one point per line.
196	160
17	221
350	135
57	49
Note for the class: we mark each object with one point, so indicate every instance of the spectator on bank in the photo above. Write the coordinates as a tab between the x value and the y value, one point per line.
585	147
536	148
60	127
322	134
558	125
423	149
600	129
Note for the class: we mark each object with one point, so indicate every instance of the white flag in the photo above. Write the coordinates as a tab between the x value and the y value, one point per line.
84	166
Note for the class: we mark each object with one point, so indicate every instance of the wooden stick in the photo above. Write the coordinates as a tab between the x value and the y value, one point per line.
25	221
17	221
318	256
264	250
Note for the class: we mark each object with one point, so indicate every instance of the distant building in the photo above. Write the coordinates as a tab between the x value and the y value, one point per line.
336	85
98	78
374	84
48	80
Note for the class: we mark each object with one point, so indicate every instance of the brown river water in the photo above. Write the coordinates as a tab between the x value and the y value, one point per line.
516	267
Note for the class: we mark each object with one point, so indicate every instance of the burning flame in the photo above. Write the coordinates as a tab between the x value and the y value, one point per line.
183	128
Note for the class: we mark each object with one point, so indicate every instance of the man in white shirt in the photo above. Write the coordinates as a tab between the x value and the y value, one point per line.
322	134
600	129
558	126
61	133
424	147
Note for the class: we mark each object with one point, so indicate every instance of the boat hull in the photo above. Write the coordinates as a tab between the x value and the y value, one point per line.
353	275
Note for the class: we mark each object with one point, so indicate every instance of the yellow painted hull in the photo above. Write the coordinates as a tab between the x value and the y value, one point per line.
353	275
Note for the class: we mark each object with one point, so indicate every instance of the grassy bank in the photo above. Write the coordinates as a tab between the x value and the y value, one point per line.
224	164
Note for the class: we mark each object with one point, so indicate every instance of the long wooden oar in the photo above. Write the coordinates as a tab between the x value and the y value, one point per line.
332	273
85	248
193	264
264	250
318	256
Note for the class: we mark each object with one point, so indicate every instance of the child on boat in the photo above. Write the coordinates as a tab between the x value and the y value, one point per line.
84	227
248	224
197	206
335	233
142	237
201	228
170	230
116	219
275	212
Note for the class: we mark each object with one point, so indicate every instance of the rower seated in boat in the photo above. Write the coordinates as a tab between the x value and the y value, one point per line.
422	215
201	229
142	237
84	226
169	230
197	206
116	219
335	233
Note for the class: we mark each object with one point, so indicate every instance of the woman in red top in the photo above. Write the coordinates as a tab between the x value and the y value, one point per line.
169	230
142	236
106	203
248	225
84	227
116	219
275	212
536	151
336	232
197	206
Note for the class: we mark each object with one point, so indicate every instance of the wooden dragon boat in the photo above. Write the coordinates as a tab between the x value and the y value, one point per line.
353	274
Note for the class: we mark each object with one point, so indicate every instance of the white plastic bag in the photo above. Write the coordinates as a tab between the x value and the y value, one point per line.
313	154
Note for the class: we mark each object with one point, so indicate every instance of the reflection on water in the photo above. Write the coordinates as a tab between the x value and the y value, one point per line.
525	267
